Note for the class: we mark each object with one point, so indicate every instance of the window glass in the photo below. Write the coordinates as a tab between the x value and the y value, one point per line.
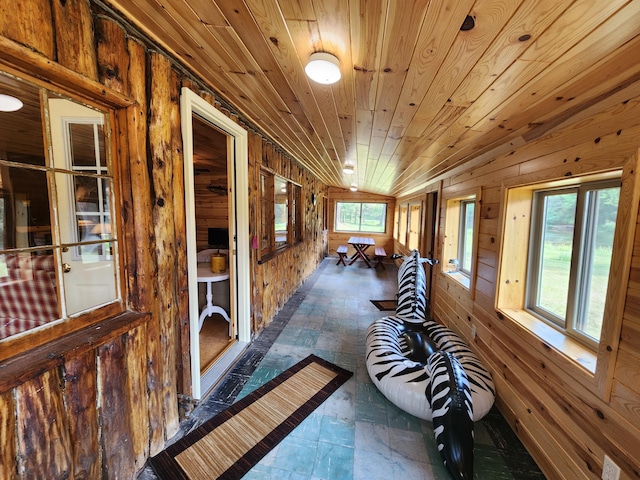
571	248
556	244
459	239
266	212
360	217
402	224
414	226
57	240
465	246
281	211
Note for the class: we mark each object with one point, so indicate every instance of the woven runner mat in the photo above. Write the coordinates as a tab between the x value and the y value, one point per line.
231	443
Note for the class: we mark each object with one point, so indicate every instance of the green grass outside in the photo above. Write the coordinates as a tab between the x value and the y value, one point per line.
372	227
555	281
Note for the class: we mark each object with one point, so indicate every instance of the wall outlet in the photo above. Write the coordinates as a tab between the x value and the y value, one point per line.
610	471
473	332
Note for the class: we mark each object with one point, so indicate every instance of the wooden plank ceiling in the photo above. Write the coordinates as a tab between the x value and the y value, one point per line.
419	96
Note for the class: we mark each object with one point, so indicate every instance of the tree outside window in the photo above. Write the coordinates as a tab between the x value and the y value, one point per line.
361	217
571	247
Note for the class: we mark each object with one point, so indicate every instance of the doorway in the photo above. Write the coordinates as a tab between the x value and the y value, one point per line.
215	169
429	241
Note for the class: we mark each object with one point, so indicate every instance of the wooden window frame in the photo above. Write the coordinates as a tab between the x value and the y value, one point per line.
335	219
267	245
452	243
56	80
594	370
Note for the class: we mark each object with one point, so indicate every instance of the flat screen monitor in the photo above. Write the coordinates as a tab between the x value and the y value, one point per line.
219	237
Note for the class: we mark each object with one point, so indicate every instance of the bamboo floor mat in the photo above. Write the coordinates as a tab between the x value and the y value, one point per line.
231	443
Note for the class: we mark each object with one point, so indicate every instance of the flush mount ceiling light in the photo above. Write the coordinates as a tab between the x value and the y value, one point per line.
348	168
323	68
353	187
9	103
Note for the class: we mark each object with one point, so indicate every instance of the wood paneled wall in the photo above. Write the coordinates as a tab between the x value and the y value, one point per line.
566	425
98	402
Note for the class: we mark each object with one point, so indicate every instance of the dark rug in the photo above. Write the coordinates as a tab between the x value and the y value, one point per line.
384	304
232	442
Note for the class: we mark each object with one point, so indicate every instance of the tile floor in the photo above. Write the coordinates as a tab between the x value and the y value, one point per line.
356	434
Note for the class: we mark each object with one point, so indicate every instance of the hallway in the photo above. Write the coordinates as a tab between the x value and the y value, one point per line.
356	433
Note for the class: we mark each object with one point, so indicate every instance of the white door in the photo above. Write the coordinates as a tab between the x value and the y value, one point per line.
239	254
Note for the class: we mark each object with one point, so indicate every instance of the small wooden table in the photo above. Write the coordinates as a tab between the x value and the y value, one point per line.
361	244
205	275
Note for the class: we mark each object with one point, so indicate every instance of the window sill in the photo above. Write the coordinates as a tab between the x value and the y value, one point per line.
460	278
567	346
17	370
268	256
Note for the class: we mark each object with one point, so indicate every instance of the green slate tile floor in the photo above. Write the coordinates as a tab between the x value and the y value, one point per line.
356	433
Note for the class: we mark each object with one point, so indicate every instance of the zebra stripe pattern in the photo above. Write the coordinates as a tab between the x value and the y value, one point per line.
481	384
450	398
412	289
405	382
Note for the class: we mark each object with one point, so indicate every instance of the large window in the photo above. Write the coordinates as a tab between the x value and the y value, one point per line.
58	244
361	217
280	213
570	256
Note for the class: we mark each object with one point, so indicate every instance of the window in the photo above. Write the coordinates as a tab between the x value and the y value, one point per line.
414	226
570	256
361	217
465	235
58	244
402	224
460	238
280	213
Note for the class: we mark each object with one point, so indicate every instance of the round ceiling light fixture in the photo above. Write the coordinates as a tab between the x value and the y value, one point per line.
353	187
9	103
323	68
348	168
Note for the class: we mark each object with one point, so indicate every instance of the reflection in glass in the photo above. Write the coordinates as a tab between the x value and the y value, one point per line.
72	189
281	212
87	145
21	138
28	291
90	279
25	213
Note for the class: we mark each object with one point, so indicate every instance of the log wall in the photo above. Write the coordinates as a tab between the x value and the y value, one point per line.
567	418
98	401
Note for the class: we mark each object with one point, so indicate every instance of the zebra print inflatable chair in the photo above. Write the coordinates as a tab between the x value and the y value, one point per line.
428	371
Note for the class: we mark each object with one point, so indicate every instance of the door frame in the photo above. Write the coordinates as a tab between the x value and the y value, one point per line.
239	253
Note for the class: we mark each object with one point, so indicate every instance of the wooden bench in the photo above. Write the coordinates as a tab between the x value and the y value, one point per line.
379	256
342	254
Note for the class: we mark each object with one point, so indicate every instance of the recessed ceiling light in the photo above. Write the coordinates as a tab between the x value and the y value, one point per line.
348	168
323	68
9	103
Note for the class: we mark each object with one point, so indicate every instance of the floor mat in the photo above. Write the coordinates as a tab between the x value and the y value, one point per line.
384	305
231	443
